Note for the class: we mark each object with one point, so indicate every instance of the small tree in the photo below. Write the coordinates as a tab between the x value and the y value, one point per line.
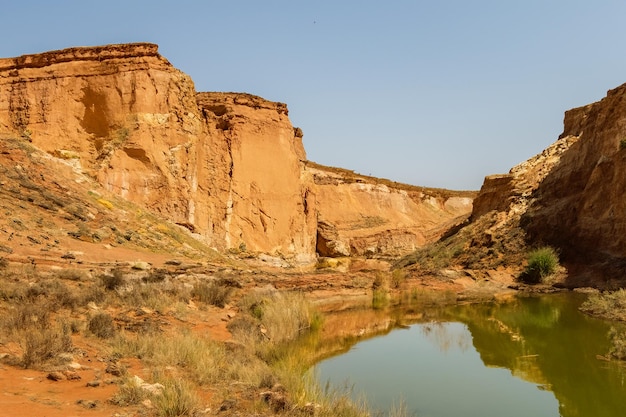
542	262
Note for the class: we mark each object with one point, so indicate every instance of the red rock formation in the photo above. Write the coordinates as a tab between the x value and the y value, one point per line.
265	205
570	196
229	167
365	216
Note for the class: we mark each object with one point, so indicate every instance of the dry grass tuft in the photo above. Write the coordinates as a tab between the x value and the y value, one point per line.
114	280
45	345
202	359
177	400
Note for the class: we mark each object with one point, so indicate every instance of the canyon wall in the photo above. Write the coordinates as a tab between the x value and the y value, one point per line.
580	205
229	167
365	216
570	196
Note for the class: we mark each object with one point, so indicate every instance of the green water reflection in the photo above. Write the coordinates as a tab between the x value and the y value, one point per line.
530	356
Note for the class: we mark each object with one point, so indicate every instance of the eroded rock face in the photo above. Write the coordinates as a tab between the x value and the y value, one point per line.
364	216
226	166
580	205
266	204
123	110
229	167
570	196
512	193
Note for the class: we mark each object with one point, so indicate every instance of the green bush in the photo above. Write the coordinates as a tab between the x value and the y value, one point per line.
542	262
618	342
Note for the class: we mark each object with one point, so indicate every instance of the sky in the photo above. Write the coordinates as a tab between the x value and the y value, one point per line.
431	93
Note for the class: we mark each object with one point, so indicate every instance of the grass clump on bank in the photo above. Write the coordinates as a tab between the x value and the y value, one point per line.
542	263
607	305
610	306
618	344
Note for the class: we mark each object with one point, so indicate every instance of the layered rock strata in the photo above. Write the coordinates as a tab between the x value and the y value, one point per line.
365	216
226	166
229	167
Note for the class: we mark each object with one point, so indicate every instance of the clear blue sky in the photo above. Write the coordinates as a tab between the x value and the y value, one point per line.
435	93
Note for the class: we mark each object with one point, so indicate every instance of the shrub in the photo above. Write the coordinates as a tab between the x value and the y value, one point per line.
114	280
157	275
28	316
72	274
398	277
622	144
211	293
56	293
101	325
618	342
542	262
45	344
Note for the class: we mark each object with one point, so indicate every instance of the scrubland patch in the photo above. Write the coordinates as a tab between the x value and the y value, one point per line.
274	338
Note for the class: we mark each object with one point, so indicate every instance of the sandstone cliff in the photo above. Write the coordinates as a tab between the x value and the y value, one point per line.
226	166
229	167
366	216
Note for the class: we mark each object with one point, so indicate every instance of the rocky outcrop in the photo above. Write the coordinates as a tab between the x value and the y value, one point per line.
226	166
229	167
570	196
512	193
365	216
265	203
123	111
580	205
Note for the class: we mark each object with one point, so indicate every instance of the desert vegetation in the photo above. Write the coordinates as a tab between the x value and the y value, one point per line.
151	316
542	263
610	306
607	305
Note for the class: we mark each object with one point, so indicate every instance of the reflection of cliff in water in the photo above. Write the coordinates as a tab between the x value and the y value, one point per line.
547	341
